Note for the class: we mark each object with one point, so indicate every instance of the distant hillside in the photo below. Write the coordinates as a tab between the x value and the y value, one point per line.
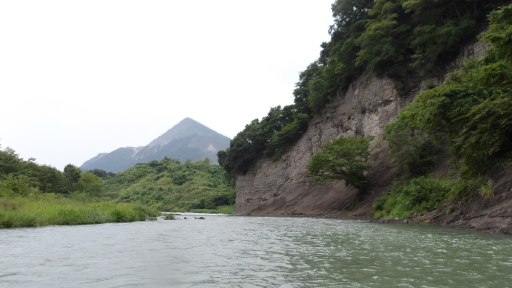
187	140
168	185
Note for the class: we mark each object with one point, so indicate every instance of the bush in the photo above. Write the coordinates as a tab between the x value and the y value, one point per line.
411	148
462	188
412	196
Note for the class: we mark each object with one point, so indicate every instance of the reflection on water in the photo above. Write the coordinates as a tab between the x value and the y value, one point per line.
227	251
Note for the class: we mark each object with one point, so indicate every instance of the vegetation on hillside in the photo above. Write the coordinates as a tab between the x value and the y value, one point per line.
471	114
25	177
169	185
396	38
38	195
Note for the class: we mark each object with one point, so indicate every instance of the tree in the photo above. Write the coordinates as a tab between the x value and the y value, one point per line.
72	174
343	158
287	136
102	173
49	179
347	13
90	184
10	162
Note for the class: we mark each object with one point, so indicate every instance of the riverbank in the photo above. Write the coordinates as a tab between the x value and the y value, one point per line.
493	216
49	209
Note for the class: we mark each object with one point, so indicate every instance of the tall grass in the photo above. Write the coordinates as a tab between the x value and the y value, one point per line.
48	209
225	209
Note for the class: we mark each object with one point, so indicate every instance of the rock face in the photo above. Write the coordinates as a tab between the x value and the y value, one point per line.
284	187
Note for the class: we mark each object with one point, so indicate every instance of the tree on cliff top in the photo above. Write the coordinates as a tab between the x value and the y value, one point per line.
343	158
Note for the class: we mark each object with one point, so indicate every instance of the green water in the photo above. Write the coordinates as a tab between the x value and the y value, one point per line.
226	251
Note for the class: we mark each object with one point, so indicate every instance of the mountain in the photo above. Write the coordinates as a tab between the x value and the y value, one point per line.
187	140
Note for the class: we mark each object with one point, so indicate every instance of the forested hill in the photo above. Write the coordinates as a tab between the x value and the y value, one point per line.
405	40
436	128
187	140
170	185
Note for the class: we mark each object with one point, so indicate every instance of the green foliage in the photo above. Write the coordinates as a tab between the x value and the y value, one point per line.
464	187
395	38
11	185
102	173
225	209
90	184
410	147
471	112
50	209
402	35
288	135
269	137
500	34
486	190
211	211
169	185
418	195
425	194
486	138
343	158
384	41
18	173
72	174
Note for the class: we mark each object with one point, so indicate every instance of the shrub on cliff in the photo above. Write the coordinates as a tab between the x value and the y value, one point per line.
343	158
411	148
419	195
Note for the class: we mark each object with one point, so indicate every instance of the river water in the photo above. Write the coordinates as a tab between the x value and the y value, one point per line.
229	251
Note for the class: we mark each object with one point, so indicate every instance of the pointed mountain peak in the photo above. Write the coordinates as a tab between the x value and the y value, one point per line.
187	140
186	127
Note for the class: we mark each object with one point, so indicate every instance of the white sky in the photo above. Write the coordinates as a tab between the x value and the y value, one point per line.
78	78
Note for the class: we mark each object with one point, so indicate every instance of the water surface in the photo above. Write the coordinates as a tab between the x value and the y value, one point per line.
228	251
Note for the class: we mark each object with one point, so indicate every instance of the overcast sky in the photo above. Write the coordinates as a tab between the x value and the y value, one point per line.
78	78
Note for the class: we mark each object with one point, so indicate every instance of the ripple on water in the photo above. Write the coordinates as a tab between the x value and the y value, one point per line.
225	251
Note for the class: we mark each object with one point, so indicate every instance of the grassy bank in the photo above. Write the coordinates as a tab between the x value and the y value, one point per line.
47	209
226	209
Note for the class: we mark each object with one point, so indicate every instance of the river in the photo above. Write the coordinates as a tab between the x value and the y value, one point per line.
229	251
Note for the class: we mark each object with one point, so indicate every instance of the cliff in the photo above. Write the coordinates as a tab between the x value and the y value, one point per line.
285	188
